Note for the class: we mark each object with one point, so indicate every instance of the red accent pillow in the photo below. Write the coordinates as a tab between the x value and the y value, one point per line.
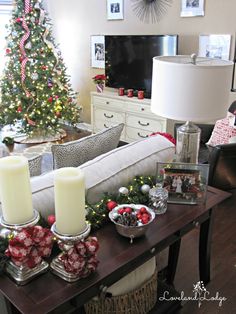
221	133
166	135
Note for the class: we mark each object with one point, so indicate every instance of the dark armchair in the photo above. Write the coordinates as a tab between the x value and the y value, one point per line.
222	162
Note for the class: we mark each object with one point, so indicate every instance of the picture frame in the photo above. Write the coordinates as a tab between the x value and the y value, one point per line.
186	183
97	51
190	8
214	46
115	9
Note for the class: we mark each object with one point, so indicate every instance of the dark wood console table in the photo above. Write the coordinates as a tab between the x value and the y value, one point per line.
118	257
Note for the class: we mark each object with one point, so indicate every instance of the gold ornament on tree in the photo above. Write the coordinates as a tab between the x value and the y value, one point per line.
150	10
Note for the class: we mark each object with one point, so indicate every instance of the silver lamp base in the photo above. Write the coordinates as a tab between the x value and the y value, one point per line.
188	141
56	265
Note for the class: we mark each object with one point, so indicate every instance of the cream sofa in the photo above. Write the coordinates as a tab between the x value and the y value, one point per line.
108	172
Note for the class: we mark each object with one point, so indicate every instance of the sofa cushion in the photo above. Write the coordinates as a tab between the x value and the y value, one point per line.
222	133
108	172
75	153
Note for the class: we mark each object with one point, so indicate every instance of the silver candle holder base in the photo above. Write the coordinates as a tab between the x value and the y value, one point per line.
23	274
68	240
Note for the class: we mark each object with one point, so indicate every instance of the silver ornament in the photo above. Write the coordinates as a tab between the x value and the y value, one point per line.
4	233
145	188
32	19
123	190
34	76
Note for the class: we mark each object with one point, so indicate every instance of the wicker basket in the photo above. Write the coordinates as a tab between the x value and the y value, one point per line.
139	301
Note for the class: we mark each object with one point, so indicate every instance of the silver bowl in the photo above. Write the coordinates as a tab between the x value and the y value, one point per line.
131	231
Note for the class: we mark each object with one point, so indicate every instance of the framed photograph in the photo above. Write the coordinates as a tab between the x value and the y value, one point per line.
97	52
191	8
214	46
186	183
115	9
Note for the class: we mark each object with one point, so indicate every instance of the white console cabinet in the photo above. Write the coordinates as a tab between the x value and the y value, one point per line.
108	109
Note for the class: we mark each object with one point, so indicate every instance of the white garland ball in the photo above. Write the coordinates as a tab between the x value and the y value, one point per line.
123	190
145	188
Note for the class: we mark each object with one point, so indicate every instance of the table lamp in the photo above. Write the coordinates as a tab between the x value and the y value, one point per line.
193	89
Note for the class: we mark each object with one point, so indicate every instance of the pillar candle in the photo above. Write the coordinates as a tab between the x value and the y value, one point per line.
69	189
15	190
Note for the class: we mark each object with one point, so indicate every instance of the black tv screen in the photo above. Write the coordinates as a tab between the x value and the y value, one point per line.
128	59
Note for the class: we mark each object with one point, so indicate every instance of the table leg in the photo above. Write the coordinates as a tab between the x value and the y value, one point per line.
205	248
172	261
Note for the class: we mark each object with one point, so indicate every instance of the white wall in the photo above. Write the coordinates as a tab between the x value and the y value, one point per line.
74	21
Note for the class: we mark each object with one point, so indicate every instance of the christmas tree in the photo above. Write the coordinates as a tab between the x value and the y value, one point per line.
35	88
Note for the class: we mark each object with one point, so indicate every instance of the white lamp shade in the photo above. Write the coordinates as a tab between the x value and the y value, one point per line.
185	91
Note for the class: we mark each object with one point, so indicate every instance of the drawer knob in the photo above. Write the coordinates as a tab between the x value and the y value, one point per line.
107	102
143	124
142	109
143	136
107	116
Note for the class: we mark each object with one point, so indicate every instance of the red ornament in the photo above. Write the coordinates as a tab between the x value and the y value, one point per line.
8	50
58	114
44	67
18	20
21	59
50	99
51	219
110	205
19	109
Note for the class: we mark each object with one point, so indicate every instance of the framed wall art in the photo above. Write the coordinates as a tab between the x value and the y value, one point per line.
190	8
214	46
186	183
115	9
97	51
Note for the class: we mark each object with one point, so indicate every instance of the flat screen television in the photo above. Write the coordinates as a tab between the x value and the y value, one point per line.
128	59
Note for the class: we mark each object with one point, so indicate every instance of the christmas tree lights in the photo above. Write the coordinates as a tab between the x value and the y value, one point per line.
35	88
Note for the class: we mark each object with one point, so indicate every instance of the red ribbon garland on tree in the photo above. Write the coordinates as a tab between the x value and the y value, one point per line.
22	42
29	246
81	258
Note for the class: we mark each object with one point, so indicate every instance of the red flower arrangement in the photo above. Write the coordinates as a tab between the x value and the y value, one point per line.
99	78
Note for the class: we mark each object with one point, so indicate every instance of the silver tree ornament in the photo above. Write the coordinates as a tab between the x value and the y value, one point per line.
150	10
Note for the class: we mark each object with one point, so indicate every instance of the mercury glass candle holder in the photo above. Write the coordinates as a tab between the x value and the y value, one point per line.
67	241
158	197
23	274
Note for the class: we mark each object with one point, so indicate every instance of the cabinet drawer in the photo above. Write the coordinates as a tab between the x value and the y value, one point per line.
108	115
144	123
108	102
101	125
133	134
139	108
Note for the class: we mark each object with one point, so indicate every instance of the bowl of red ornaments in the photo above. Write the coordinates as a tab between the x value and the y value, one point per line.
131	221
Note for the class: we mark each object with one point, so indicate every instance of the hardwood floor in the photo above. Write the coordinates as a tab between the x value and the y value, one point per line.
223	264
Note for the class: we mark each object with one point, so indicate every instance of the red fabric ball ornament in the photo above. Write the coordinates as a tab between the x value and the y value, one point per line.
21	59
58	114
19	109
8	50
44	67
110	205
50	99
51	219
18	20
